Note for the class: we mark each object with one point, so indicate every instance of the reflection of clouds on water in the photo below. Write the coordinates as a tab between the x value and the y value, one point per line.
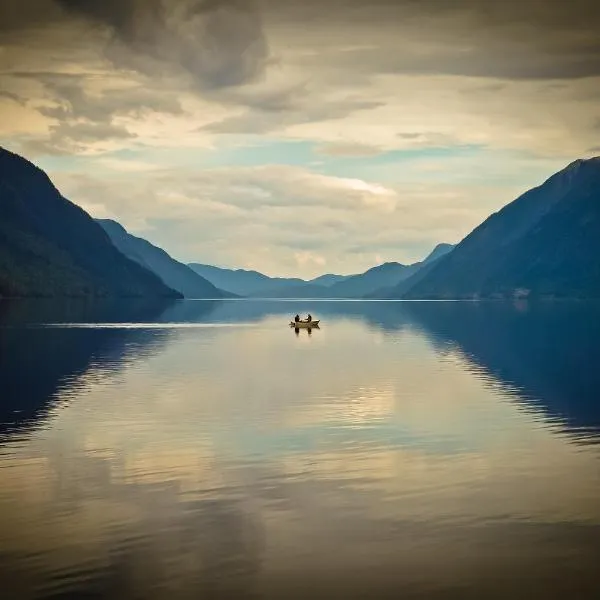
544	354
361	405
92	517
387	316
229	461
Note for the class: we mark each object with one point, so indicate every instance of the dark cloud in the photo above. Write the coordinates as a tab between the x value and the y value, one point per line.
327	56
11	96
544	15
495	58
257	119
19	15
132	20
71	138
76	103
90	132
222	43
219	43
280	100
512	39
409	136
80	118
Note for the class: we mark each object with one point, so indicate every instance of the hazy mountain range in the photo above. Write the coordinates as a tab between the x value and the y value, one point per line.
546	243
175	274
241	281
372	282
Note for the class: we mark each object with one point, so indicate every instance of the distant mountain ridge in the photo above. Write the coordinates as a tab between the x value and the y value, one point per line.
328	279
439	251
51	247
411	277
349	286
175	274
546	243
376	282
374	278
297	290
241	281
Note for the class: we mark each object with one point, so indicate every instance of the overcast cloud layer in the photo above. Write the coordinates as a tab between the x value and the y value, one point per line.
299	137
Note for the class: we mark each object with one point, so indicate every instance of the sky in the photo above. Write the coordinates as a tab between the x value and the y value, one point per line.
299	138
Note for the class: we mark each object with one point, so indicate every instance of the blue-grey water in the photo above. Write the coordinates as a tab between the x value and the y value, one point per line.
206	449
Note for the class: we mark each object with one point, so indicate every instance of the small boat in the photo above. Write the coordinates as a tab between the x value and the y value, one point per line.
305	324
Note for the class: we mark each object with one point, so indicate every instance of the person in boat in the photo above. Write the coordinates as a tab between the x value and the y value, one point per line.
309	318
297	318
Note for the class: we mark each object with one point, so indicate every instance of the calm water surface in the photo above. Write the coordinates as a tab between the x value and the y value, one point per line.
205	449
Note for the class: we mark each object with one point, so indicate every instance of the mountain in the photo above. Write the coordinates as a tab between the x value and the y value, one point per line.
546	243
51	247
328	279
282	287
242	282
403	286
297	290
358	286
420	271
439	251
175	274
258	285
377	282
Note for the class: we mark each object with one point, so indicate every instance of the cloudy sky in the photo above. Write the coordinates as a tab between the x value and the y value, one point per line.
299	137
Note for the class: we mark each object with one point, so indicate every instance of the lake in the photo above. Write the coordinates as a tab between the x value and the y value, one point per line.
206	449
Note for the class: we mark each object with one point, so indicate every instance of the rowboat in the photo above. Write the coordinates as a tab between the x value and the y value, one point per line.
305	324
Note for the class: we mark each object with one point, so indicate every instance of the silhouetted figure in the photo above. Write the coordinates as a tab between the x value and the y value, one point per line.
297	318
309	318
